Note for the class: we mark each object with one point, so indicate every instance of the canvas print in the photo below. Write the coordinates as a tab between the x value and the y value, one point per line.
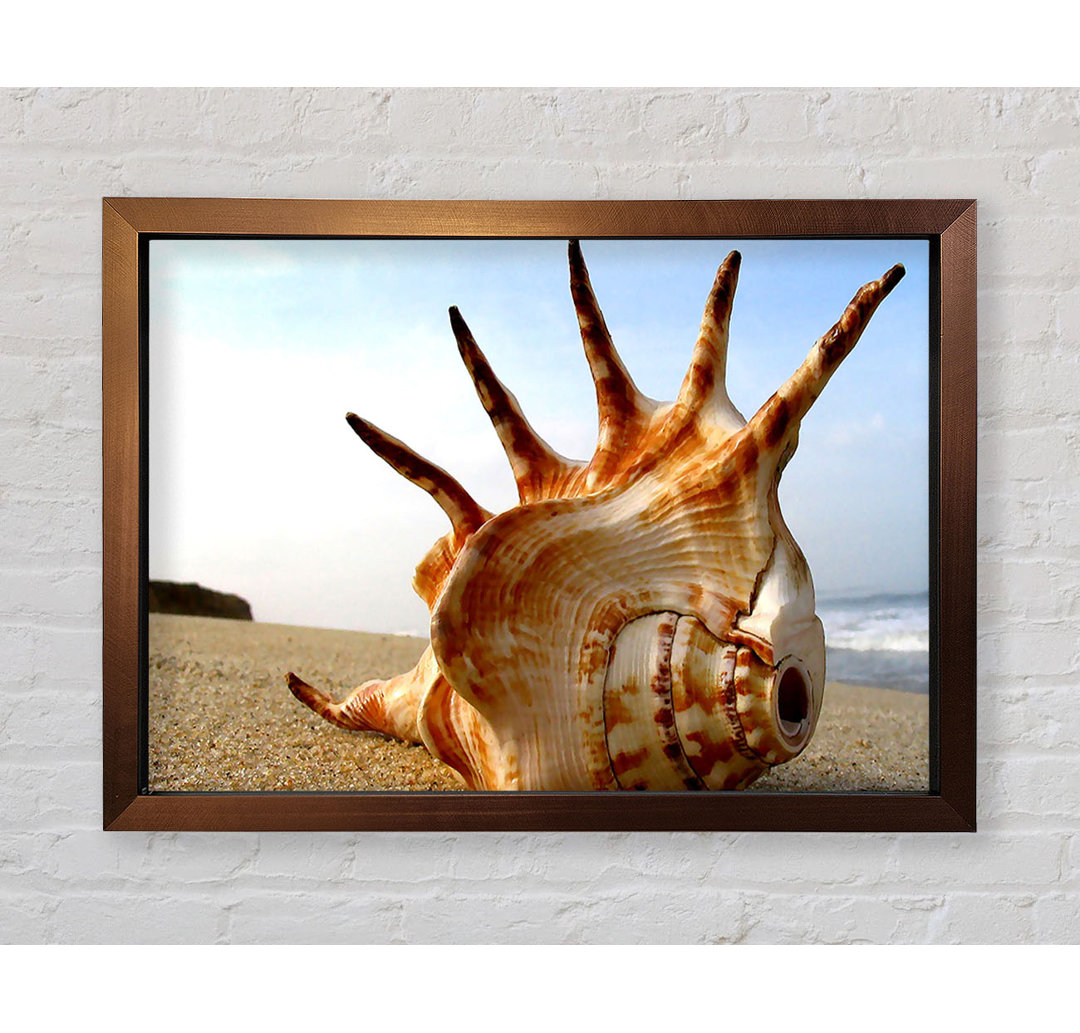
539	515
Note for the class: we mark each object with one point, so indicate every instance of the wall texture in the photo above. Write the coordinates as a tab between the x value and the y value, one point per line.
63	880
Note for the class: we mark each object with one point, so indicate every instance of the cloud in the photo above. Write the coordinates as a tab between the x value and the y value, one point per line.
850	432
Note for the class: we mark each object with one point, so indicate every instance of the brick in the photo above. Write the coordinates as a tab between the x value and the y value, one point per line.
25	917
845	860
1036	454
32	180
514	856
92	916
619	180
66	116
50	463
1032	384
865	119
63	244
54	346
1071	873
1040	651
516	916
1044	117
1029	313
1001	119
980	918
273	117
1039	788
1014	516
32	718
1052	173
1044	241
1057	918
343	119
680	914
12	113
588	120
56	652
566	180
997	181
939	863
426	122
819	918
33	308
49	529
692	124
94	857
783	117
527	113
316	918
65	593
325	860
1064	528
197	857
40	799
350	174
1038	588
156	172
1033	715
49	390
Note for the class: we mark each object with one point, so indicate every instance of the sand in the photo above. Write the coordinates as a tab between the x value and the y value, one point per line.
223	719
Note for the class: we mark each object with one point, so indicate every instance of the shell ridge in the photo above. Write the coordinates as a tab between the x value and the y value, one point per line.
640	722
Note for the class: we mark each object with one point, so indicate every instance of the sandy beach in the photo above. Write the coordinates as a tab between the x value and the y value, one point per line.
223	719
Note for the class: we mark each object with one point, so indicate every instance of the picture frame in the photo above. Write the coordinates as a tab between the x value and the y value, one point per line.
949	227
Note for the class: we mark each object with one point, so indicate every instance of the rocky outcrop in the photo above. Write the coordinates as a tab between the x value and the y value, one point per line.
193	600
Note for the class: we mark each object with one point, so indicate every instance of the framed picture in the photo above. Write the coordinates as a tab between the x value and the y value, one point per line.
662	577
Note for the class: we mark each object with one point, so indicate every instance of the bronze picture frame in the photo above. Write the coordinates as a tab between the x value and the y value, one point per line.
949	226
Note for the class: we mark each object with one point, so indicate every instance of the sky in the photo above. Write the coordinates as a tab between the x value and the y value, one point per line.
258	348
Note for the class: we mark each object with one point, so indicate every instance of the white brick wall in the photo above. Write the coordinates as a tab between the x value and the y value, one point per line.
1017	151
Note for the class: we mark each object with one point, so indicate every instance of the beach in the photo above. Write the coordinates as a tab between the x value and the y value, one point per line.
221	718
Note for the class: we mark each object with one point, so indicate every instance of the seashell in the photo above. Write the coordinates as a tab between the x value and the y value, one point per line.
643	620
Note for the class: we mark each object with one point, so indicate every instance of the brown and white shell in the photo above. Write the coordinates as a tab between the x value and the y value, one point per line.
643	620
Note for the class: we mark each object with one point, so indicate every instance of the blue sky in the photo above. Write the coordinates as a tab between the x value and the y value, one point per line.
259	348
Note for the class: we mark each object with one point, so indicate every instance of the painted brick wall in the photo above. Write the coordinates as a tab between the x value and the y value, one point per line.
1017	151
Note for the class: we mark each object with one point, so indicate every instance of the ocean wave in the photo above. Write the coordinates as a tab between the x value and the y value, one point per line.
880	639
891	623
907	671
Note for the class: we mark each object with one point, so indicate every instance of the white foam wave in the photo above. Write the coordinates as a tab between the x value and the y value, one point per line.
877	639
894	624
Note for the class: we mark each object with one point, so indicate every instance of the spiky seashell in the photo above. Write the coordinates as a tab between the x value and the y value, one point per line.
643	620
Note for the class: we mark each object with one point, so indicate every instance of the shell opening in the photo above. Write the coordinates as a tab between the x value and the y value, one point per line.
794	706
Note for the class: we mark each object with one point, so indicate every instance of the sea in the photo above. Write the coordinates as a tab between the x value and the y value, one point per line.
880	639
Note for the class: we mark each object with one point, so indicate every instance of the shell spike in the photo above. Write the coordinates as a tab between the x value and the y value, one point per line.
704	386
464	513
776	423
531	458
617	396
622	410
389	706
322	704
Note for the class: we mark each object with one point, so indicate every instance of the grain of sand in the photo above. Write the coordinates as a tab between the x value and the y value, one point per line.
223	719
